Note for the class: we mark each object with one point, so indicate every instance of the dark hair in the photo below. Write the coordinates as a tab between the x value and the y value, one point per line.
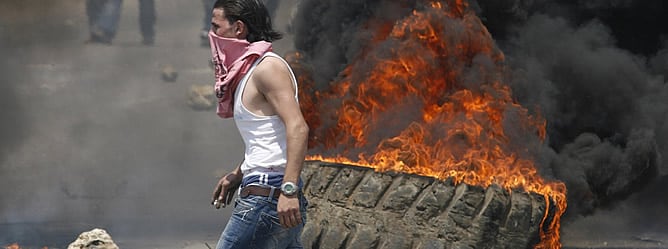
253	14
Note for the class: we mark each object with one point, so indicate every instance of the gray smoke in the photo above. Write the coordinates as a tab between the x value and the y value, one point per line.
13	127
92	137
597	78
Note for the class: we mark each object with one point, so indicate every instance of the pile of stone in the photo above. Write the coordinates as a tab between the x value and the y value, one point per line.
202	97
93	239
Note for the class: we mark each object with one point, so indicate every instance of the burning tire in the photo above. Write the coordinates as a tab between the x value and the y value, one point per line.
356	207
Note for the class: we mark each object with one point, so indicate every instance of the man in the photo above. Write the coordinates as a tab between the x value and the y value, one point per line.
258	88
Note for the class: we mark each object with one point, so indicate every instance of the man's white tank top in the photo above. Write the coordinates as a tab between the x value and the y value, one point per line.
264	136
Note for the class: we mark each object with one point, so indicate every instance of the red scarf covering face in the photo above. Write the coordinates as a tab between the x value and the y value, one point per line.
232	58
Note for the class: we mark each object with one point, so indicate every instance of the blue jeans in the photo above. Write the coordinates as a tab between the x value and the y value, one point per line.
254	224
103	17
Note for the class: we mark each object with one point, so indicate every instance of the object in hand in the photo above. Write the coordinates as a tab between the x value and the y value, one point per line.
218	203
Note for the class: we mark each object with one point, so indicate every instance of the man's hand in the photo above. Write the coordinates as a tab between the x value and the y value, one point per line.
288	211
224	191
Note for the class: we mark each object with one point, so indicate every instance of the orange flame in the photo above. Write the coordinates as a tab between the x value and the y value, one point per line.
427	98
16	246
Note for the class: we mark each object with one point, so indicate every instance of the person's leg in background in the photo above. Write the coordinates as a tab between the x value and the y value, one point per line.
93	8
206	24
103	17
147	21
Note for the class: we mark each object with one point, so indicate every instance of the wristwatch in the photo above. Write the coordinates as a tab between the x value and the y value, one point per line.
289	188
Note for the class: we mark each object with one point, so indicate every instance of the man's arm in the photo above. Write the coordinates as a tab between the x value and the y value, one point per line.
227	185
275	83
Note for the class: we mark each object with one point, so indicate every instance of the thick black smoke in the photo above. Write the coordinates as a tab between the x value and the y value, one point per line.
634	24
597	71
332	33
594	69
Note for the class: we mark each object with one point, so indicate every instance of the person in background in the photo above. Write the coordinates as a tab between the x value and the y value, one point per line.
104	15
147	20
258	88
206	24
271	6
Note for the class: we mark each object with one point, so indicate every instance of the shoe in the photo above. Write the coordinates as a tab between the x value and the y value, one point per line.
148	41
98	38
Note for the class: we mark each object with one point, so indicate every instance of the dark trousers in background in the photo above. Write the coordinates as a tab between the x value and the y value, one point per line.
147	19
104	15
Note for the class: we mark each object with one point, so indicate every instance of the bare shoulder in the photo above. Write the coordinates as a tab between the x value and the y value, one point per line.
271	64
272	72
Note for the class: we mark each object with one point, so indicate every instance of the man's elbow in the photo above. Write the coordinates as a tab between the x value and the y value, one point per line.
302	129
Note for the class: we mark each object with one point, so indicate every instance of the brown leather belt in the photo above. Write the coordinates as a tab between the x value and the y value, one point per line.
259	191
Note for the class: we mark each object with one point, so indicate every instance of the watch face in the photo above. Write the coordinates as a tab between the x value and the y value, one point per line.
289	188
